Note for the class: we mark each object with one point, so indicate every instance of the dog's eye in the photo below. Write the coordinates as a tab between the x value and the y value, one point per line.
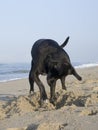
55	66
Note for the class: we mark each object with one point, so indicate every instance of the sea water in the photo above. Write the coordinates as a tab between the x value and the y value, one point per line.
14	71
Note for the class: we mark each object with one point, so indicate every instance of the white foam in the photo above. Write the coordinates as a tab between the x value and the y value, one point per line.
87	65
2	81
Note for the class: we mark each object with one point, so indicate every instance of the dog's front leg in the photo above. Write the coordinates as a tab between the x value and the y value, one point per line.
63	82
52	83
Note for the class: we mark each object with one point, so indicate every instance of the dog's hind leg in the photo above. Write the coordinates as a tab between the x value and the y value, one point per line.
31	78
43	95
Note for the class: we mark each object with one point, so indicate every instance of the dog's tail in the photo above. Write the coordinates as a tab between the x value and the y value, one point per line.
65	42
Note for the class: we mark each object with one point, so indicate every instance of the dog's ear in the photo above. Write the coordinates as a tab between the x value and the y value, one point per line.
68	67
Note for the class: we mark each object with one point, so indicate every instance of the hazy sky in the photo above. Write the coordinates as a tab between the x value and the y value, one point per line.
22	22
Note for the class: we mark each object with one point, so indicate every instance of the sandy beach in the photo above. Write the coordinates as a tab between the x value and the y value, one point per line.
75	109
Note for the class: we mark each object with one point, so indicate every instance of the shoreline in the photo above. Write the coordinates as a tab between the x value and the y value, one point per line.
14	79
82	66
75	108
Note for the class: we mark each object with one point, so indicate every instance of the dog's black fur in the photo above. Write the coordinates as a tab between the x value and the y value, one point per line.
50	59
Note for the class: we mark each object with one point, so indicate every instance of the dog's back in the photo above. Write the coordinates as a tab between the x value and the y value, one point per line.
42	48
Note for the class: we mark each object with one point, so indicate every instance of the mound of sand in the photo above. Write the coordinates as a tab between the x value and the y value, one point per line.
26	104
22	105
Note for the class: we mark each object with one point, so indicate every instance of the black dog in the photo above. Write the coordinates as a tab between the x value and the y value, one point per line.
50	59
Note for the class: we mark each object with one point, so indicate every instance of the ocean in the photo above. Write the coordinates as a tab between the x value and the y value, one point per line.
14	71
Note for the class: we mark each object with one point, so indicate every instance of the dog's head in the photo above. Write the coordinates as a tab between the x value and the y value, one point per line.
59	68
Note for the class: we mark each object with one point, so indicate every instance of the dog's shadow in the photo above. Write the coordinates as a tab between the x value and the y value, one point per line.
7	97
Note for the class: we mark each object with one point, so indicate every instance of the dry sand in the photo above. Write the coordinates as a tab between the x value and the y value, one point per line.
75	109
